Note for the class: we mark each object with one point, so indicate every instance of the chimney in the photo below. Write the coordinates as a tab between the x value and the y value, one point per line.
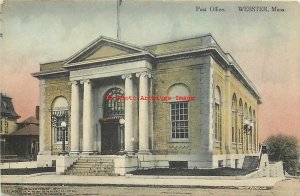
37	112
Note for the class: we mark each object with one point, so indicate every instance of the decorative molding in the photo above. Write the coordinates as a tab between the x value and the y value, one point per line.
50	74
126	76
58	147
74	82
85	81
144	74
110	61
101	41
182	146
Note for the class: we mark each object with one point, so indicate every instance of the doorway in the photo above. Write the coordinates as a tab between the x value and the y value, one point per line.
110	138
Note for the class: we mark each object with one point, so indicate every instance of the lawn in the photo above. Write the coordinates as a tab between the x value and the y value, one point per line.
225	171
27	171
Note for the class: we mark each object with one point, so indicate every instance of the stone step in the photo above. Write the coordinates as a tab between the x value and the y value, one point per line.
91	169
90	158
94	161
96	167
99	156
92	166
90	174
88	171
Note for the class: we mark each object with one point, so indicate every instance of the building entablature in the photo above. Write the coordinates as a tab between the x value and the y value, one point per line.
110	71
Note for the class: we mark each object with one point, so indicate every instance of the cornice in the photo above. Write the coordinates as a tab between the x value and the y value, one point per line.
110	61
105	40
50	74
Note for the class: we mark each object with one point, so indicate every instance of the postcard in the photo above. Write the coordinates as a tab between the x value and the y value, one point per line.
148	97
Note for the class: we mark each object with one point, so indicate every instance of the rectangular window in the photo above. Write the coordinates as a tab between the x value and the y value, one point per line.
179	120
217	122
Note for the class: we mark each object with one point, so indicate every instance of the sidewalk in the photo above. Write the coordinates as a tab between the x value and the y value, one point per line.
178	181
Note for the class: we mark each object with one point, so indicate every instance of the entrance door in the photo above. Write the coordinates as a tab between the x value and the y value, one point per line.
110	142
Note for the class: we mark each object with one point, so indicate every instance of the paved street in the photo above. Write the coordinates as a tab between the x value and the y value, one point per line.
289	187
171	181
52	184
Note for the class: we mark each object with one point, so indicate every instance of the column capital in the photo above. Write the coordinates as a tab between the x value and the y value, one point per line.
88	81
73	82
124	76
144	74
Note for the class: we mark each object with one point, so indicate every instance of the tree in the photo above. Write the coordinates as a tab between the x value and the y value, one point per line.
283	148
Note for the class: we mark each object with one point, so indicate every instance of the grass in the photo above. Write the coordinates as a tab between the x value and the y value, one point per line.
193	172
27	171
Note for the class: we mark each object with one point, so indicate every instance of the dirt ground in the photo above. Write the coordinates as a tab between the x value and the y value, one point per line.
288	187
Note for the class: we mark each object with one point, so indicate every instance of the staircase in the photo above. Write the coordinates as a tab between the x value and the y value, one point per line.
251	162
92	166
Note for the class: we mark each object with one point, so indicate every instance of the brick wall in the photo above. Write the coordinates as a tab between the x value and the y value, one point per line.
230	85
186	71
54	88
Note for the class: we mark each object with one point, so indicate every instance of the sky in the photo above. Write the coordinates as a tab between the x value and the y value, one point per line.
265	44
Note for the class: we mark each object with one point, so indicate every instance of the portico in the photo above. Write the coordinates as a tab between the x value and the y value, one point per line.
141	74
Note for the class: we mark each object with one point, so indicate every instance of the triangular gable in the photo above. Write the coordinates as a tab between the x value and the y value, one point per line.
103	47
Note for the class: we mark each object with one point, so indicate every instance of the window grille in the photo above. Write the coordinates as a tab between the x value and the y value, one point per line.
114	104
57	118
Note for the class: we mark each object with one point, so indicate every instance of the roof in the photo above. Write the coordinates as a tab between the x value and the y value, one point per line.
30	120
31	129
157	52
181	45
7	108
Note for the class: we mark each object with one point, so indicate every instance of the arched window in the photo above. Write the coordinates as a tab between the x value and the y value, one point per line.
217	114
179	112
114	103
234	119
59	114
245	111
240	124
250	114
246	126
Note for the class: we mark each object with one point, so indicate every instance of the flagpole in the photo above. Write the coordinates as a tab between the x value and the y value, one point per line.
118	20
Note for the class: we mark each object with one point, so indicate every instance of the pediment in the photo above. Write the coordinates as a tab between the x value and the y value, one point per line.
103	48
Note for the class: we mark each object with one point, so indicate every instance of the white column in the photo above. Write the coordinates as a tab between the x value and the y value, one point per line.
143	113
129	139
75	117
88	136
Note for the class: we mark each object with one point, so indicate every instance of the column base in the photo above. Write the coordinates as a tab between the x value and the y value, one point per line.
63	153
121	152
144	152
45	159
88	152
129	153
44	153
74	152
